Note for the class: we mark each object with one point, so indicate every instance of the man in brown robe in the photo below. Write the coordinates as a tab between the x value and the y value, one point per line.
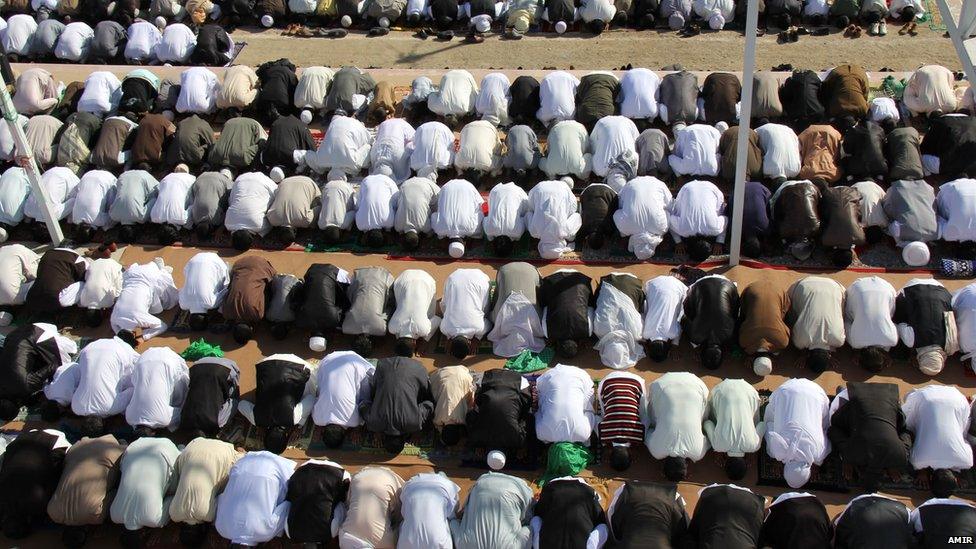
244	305
763	330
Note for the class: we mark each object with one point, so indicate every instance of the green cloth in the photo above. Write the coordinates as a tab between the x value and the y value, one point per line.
527	362
894	89
565	459
201	349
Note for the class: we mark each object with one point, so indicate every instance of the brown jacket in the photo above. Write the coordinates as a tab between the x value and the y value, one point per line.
727	146
150	140
720	93
820	153
383	104
845	92
246	295
763	309
87	486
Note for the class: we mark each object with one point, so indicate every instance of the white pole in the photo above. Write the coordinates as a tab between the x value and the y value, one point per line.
25	157
745	125
958	41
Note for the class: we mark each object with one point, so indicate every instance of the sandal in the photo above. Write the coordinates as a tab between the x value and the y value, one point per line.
913	29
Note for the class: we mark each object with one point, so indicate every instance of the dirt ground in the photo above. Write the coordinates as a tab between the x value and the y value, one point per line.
652	49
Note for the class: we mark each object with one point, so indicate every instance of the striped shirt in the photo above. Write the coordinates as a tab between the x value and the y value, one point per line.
620	399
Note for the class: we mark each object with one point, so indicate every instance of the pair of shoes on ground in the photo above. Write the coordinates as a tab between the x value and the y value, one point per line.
791	34
692	29
878	29
910	28
853	31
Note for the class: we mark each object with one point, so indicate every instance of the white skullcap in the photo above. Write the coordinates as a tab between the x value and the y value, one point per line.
721	126
6	318
429	172
678	126
227	173
567	180
716	21
931	359
796	473
215	13
181	168
3	235
496	460
110	8
336	174
456	249
161	22
169	115
384	22
915	254
616	180
346	21
316	344
560	27
482	24
383	169
267	20
277	174
306	117
762	366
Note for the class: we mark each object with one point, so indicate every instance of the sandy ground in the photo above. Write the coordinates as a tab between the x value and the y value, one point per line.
604	479
652	49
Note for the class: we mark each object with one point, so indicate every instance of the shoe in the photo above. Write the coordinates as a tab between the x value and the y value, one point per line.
378	31
882	29
874	29
421	34
904	29
794	36
849	31
857	31
474	39
336	33
822	31
445	35
304	32
783	37
802	31
913	29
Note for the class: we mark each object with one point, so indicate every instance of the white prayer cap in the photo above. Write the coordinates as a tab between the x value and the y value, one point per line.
567	180
6	318
796	473
716	21
161	22
429	172
346	21
316	343
336	174
482	24
3	235
169	115
384	169
560	27
267	21
277	174
181	168
721	126
915	254
616	180
226	172
456	249
306	117
931	359
384	22
110	8
678	126
496	460
762	366
215	13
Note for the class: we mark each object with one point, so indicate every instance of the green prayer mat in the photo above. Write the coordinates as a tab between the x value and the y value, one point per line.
528	362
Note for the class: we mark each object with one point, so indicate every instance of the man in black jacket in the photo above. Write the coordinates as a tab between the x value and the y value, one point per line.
800	95
210	397
28	359
60	274
278	83
598	202
647	514
314	490
401	403
863	151
727	517
213	46
920	313
796	521
283	398
944	524
524	101
32	466
499	419
872	521
567	514
796	216
949	146
566	297
868	431
323	301
711	309
287	135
